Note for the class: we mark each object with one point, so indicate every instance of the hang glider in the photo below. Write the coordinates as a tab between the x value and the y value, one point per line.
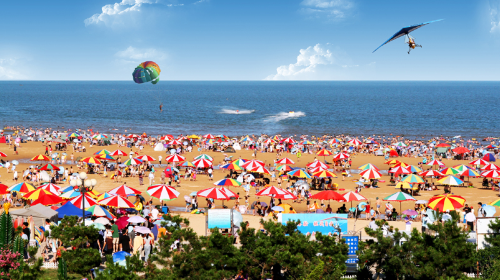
405	31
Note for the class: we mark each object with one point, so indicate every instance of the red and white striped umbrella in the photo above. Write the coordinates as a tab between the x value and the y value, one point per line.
175	158
316	169
133	136
491	174
435	162
254	163
214	193
208	136
276	193
285	161
479	162
167	137
163	192
340	156
202	163
430	173
289	140
317	163
124	190
354	142
490	166
2	154
116	201
353	196
370	174
146	158
259	169
399	170
78	201
229	192
52	188
119	153
174	142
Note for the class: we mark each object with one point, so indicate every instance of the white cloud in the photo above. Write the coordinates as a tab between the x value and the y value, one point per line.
330	9
308	62
7	70
199	2
494	16
136	55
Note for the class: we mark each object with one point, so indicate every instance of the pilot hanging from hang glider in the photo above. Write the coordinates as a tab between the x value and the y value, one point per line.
405	31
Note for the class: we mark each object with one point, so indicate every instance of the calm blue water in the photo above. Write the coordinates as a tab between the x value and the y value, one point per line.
360	108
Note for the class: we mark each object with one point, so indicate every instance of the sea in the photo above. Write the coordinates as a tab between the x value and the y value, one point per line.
407	108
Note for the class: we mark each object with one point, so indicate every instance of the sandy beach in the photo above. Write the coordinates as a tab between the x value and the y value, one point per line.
30	149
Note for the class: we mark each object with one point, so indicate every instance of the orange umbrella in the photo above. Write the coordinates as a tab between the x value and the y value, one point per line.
446	202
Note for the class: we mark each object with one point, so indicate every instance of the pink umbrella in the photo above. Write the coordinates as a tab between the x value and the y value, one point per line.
122	222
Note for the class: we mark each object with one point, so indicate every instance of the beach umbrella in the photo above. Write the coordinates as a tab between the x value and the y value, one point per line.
284	168
354	142
392	162
105	157
163	192
479	162
278	209
400	144
174	142
103	196
285	161
132	161
400	197
353	196
410	212
119	153
73	135
49	166
431	173
413	168
306	142
102	152
329	195
489	157
239	162
435	162
469	173
399	170
289	140
299	173
208	136
315	169
22	188
136	220
2	154
324	153
124	190
405	186
40	157
341	156
204	156
275	192
51	188
4	189
47	198
71	193
143	230
232	166
175	158
495	203
34	194
228	182
146	158
188	164
461	167
317	163
80	200
413	179
370	174
122	222
449	171
450	180
443	145
202	163
491	174
214	193
324	174
259	169
251	164
445	202
461	150
97	226
91	160
368	166
116	201
99	211
490	166
490	210
102	221
228	192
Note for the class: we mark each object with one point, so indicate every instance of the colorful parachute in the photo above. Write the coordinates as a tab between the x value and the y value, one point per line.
147	71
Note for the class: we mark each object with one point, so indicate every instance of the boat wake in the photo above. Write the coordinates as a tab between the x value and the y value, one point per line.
284	116
236	112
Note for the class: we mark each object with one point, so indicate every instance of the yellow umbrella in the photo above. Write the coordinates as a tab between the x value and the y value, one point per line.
193	137
35	194
406	186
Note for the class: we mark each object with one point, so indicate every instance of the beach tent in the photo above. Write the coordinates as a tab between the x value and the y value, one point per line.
69	209
2	139
442	150
230	150
38	212
237	147
159	147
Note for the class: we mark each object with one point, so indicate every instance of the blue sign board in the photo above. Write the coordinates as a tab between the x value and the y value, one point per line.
309	224
219	218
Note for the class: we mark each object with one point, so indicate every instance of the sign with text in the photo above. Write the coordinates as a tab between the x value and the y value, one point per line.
327	224
219	218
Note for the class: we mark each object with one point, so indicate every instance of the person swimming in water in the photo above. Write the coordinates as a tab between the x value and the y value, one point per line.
161	107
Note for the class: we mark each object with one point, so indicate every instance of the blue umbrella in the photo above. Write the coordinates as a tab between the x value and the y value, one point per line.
489	209
119	257
278	208
194	194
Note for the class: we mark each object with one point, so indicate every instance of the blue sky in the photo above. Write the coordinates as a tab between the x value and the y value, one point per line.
248	39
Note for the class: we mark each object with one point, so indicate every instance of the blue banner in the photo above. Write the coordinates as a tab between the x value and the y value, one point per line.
327	224
219	218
